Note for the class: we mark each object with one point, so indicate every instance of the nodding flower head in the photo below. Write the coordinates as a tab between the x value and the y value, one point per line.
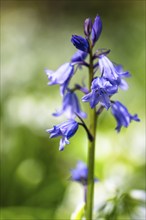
112	72
66	130
61	76
122	116
101	90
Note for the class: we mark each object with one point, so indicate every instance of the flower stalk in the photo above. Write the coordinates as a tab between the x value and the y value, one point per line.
91	149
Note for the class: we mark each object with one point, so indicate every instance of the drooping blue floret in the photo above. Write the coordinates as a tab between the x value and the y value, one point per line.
80	43
70	106
101	90
61	76
66	130
122	116
80	173
111	72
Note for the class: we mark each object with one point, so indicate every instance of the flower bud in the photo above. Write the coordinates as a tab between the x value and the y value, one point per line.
96	29
87	27
80	43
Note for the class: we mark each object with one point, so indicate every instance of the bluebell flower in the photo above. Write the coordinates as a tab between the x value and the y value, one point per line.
78	57
80	173
61	76
96	29
112	72
101	90
66	130
71	106
122	116
80	43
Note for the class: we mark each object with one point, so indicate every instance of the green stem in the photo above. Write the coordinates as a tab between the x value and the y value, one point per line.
91	150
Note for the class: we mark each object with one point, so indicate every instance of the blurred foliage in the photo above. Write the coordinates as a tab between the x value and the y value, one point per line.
122	206
34	181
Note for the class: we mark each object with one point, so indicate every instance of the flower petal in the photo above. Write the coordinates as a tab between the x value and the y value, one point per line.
96	29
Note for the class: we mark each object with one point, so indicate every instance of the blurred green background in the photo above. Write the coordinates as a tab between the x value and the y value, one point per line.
34	174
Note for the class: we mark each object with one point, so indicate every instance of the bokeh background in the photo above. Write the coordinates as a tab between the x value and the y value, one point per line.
35	184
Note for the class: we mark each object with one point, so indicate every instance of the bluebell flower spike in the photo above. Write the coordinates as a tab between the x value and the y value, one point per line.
102	87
